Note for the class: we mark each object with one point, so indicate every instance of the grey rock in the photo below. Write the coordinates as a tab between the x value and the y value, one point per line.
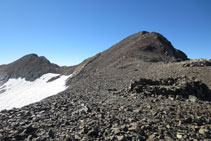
120	138
192	98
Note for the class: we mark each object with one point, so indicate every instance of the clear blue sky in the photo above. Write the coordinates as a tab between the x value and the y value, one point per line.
69	31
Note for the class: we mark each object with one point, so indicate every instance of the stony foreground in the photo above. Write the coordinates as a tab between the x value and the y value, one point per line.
104	115
112	105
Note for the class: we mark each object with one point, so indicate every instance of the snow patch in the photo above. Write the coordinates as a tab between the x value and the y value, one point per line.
19	92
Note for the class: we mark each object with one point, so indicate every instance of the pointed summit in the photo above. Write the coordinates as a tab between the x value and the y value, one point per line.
29	67
142	46
146	46
31	59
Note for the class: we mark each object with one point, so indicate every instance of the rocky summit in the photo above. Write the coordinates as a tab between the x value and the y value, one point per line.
142	88
30	67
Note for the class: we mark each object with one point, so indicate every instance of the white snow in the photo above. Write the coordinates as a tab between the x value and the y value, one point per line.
20	92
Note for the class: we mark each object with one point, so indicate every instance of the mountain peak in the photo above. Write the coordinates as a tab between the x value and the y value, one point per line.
144	46
143	32
31	58
31	55
30	67
151	46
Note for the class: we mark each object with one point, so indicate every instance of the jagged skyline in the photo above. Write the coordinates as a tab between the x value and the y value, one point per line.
68	32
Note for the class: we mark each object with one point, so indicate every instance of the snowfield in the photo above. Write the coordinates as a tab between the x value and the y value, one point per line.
20	92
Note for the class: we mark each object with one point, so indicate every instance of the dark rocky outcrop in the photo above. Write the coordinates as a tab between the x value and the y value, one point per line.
172	87
197	63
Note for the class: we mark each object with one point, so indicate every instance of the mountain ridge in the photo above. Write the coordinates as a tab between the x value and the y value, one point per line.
139	89
143	46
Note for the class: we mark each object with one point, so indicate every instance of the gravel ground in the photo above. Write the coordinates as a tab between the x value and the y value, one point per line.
107	111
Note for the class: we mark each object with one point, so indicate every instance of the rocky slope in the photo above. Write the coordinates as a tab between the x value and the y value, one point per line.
142	46
140	89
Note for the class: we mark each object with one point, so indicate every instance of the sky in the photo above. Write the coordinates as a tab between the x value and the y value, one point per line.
69	31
